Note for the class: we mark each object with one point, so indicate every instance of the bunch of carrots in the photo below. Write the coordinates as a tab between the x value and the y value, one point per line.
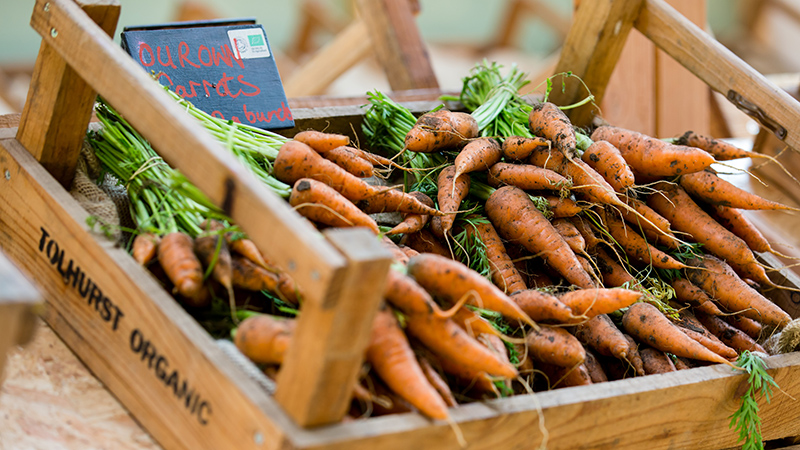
528	255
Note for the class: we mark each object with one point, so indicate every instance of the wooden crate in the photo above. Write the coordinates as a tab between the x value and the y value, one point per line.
187	392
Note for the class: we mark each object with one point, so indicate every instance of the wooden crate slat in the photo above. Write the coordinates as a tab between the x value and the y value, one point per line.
60	102
122	307
184	144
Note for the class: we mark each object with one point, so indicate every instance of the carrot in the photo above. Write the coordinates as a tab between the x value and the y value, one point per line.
413	222
555	346
320	141
593	367
561	377
633	357
478	155
238	243
390	355
596	301
697	330
373	158
652	157
685	215
502	270
750	327
737	223
453	189
654	221
563	207
730	335
424	241
252	277
525	176
711	189
637	247
264	339
438	383
611	271
646	323
547	120
350	161
686	292
475	325
543	307
439	130
517	220
719	149
183	268
570	233
682	363
585	229
603	336
144	247
607	160
392	199
452	280
519	148
720	281
398	255
321	203
655	361
213	251
405	294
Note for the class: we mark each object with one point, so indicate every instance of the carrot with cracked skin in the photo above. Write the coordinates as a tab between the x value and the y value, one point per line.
176	256
503	272
729	335
350	161
519	148
555	346
603	336
543	307
453	280
596	301
478	155
606	159
647	324
413	222
321	203
453	190
423	241
686	292
675	205
144	248
651	157
712	189
719	149
264	338
439	130
321	141
637	247
526	177
392	358
517	220
548	121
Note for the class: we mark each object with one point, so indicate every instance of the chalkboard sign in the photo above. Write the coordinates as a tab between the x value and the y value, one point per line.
224	68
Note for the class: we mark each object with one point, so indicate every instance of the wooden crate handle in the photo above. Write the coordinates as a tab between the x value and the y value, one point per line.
315	264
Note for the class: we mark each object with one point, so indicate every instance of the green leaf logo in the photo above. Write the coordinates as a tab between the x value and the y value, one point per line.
255	39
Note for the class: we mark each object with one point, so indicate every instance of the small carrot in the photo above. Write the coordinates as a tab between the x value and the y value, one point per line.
321	203
607	160
646	323
519	148
249	276
737	223
730	335
653	157
264	338
405	294
475	325
413	222
698	331
563	207
596	301
320	141
633	357
503	272
712	189
637	247
439	130
516	219
686	292
654	222
478	155
453	280
144	247
603	336
571	234
453	189
547	120
543	307
611	271
555	346
423	241
719	149
751	327
213	251
526	177
394	199
177	258
350	161
596	372
656	361
562	377
438	383
585	229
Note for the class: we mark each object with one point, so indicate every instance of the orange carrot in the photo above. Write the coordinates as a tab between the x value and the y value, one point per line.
502	270
655	361
611	271
453	190
596	301
390	354
633	357
249	276
750	327
526	177
213	252
320	141
603	336
646	323
608	162
413	222
321	203
561	377
438	383
350	161
516	219
570	233
731	336
543	307
393	199
653	157
697	330
547	120
654	221
719	149
453	280
563	207
637	247
688	293
264	339
478	155
423	241
686	216
585	229
405	294
475	325
439	130
717	278
177	258
144	247
555	346
737	223
711	189
519	148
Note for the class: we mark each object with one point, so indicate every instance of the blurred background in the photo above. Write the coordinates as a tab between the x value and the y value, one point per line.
458	34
